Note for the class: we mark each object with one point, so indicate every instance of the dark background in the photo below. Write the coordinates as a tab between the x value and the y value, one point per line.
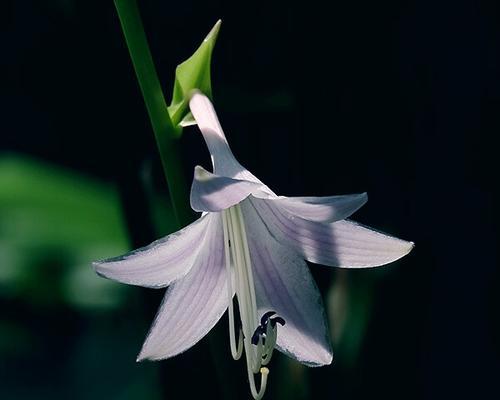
397	98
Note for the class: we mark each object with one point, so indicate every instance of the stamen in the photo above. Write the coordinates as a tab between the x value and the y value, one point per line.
265	336
258	340
265	317
259	332
271	335
279	320
245	286
236	351
247	258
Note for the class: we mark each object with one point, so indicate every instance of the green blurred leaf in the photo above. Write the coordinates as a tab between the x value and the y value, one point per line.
194	73
53	224
350	303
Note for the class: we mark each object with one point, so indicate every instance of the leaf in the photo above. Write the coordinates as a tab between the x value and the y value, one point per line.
194	73
53	224
350	300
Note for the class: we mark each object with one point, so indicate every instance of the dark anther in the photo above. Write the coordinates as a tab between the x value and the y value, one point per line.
268	317
260	331
265	317
279	320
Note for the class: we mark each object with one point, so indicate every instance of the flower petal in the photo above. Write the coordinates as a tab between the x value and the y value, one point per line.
340	244
213	193
223	160
323	209
284	284
160	263
193	305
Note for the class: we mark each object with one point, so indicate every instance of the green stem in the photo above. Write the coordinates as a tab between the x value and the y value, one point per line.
165	132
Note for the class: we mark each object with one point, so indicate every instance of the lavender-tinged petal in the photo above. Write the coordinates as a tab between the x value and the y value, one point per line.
160	263
284	284
223	160
214	193
192	305
322	209
341	244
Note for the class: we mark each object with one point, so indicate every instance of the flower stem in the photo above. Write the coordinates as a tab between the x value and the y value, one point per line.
165	132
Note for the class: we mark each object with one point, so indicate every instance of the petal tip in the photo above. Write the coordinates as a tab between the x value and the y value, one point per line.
320	360
98	267
140	357
363	197
328	359
143	355
201	174
102	269
198	169
405	249
410	246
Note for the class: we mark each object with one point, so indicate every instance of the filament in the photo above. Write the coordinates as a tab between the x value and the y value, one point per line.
256	337
236	351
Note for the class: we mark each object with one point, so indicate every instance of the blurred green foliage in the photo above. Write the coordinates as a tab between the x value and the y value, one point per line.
53	223
62	326
349	302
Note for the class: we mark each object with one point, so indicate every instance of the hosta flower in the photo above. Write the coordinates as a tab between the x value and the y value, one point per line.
251	245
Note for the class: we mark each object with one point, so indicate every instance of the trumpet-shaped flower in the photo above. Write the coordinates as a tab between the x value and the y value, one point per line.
250	244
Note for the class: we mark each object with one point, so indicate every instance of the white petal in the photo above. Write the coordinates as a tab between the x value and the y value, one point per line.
192	305
284	284
160	263
213	193
204	114
340	244
223	160
323	209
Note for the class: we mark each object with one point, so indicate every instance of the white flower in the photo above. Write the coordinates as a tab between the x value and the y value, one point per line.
252	243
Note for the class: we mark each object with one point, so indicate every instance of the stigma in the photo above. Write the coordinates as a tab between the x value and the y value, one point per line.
256	335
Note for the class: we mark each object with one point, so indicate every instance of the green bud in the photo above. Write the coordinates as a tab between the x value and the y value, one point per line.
192	74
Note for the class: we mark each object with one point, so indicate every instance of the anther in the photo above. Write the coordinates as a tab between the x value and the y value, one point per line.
259	332
265	336
266	316
279	320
